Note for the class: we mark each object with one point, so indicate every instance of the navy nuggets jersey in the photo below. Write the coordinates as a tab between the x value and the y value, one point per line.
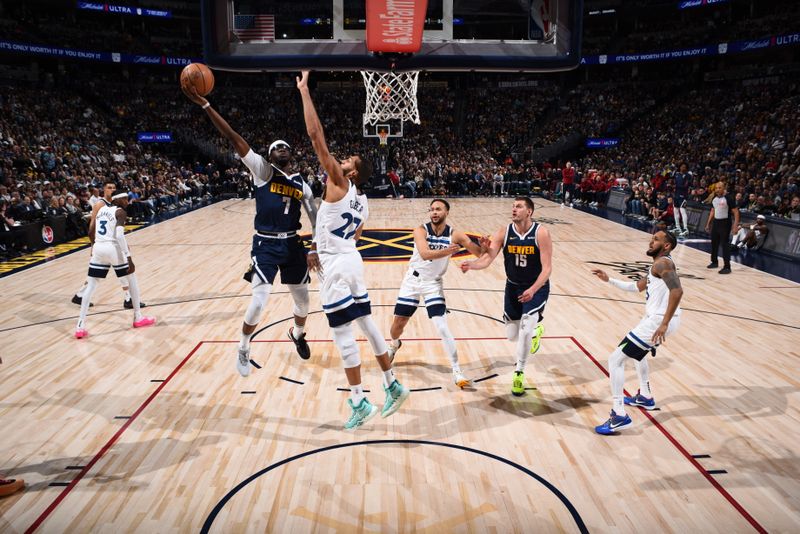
523	261
682	182
278	196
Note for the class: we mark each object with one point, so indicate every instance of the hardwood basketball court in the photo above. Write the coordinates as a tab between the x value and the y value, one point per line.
153	430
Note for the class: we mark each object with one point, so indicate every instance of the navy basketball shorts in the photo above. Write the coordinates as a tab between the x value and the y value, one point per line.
286	255
513	309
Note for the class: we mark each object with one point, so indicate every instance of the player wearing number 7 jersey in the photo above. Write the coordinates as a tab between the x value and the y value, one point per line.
528	254
343	293
276	245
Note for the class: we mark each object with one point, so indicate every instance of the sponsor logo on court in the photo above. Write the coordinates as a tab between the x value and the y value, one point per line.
636	270
551	220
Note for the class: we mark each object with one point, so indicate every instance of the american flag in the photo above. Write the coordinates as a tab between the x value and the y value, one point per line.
254	27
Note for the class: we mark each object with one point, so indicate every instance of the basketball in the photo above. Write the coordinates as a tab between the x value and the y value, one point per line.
200	76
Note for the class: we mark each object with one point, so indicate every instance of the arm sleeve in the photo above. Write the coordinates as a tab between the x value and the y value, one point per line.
625	286
259	168
119	234
311	208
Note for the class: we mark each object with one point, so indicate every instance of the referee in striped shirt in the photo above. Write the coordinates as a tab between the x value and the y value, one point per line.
721	227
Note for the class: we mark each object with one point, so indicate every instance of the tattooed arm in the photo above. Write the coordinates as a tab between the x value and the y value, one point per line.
665	269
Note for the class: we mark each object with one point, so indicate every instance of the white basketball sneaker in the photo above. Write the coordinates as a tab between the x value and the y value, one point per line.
243	362
393	350
460	380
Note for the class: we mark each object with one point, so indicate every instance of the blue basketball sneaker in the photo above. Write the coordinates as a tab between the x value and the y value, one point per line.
641	401
396	394
361	413
614	424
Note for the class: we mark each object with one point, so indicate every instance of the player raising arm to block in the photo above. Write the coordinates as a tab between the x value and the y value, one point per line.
343	293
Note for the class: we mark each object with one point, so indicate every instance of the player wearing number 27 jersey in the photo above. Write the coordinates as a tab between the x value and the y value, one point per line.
343	294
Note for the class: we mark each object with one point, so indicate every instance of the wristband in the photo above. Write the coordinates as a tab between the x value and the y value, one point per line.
312	252
206	105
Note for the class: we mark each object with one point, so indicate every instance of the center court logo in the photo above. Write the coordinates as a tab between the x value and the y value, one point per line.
379	245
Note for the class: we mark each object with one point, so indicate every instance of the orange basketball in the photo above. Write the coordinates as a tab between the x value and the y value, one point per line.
200	76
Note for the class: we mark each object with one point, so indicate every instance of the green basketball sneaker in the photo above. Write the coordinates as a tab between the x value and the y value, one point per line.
537	338
361	413
518	384
396	394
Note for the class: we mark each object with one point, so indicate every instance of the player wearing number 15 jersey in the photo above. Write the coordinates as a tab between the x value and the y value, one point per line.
343	293
528	253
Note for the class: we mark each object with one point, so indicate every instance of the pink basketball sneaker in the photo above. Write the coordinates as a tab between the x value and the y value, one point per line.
81	333
144	321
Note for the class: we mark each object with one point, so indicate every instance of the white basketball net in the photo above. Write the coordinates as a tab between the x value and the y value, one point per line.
391	96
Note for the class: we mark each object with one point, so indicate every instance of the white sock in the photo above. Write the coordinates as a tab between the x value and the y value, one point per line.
616	370
643	370
395	343
388	377
81	291
298	330
133	285
244	341
127	294
91	284
448	341
527	325
356	394
684	220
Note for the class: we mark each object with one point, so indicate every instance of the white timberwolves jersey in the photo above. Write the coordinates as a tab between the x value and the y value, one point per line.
432	269
657	295
106	224
337	223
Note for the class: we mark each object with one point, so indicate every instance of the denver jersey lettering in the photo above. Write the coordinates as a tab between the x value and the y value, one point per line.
278	196
521	256
285	190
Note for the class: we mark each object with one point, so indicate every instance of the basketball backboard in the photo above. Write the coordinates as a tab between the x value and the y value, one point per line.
459	35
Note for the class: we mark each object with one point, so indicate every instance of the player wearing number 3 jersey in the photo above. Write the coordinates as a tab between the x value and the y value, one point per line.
343	293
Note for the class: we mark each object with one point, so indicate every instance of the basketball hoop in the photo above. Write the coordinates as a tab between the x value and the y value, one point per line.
390	96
